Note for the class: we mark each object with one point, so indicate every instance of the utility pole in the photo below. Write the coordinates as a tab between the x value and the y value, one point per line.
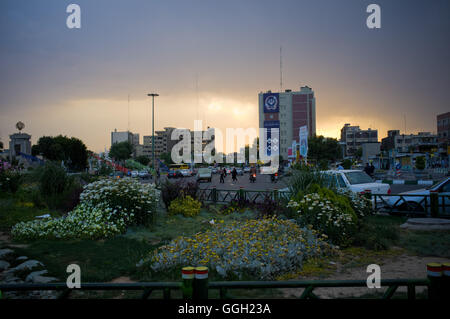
153	126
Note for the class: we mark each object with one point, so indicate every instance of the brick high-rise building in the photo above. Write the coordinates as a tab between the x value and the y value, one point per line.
288	111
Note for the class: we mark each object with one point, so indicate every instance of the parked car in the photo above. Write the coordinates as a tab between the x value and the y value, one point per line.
117	174
239	171
214	170
144	174
357	181
186	172
416	203
134	174
204	174
174	173
246	169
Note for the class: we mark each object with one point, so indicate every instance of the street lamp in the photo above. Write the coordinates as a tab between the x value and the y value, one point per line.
153	126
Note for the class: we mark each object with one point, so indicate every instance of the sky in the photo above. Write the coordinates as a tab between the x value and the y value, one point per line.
208	60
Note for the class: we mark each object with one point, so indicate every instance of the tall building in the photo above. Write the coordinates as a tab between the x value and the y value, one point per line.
443	127
288	111
127	136
352	138
164	142
407	143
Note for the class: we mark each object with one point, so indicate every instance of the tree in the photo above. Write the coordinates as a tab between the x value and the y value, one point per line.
62	148
420	162
1	146
121	151
144	160
322	149
358	153
166	158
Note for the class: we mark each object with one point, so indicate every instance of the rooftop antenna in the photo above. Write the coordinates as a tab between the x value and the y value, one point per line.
196	93
281	70
404	119
128	112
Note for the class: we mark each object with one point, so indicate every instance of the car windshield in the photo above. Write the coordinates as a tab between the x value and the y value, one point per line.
436	184
203	170
358	178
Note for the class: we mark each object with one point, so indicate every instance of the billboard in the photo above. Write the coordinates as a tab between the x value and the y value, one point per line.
271	102
303	138
269	142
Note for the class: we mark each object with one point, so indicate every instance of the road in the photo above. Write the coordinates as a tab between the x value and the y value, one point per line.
263	183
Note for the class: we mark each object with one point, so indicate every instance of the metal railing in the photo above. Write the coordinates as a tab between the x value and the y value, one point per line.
253	196
433	205
147	288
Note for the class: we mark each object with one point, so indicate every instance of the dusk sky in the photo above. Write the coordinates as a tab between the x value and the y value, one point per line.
76	82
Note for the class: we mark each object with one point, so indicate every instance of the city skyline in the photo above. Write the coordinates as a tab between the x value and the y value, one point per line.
209	67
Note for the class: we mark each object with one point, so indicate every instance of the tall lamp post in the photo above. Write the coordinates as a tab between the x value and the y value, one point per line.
153	126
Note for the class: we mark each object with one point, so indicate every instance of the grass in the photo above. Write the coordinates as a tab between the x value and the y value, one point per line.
100	261
13	211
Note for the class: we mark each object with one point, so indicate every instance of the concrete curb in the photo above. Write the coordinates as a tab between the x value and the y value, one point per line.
405	182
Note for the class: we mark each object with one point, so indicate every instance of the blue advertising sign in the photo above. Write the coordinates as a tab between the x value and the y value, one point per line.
271	143
271	102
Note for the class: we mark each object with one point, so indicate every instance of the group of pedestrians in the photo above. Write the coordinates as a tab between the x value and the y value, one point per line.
369	169
223	174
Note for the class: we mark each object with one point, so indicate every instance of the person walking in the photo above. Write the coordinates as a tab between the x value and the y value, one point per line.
367	169
371	169
234	175
222	175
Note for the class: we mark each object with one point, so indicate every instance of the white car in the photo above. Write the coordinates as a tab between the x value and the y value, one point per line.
143	174
416	203
204	174
357	181
186	172
134	174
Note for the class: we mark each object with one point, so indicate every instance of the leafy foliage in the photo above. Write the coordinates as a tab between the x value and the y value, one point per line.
186	206
61	148
261	248
121	151
323	149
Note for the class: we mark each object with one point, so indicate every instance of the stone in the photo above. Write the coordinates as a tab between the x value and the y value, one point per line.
43	279
22	258
28	265
31	276
4	265
5	252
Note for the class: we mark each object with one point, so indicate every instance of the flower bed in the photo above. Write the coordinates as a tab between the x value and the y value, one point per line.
106	208
264	248
328	213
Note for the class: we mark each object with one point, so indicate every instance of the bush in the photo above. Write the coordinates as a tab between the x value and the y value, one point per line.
361	205
328	213
303	178
261	248
106	208
124	195
186	206
420	162
10	181
85	222
53	179
172	190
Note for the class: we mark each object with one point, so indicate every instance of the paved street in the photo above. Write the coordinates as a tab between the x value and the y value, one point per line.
263	183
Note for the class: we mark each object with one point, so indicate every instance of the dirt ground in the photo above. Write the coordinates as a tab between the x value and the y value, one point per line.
399	267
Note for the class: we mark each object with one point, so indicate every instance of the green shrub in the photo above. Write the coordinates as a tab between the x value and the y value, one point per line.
420	162
304	177
327	212
10	181
186	206
53	179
